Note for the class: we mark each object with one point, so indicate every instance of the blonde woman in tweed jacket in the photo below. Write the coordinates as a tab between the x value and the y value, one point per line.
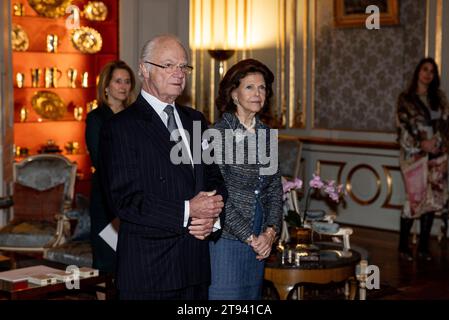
253	211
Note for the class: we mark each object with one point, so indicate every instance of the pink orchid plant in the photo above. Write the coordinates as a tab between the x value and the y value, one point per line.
316	186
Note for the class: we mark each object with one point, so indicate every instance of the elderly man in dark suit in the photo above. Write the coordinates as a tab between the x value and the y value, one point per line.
167	211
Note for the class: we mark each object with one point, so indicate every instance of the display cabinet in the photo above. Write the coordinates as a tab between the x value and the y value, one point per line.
55	75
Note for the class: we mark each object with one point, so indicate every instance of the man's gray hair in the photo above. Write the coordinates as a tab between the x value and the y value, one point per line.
150	46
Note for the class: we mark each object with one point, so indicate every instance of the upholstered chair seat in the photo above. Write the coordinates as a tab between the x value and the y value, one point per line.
43	192
77	253
28	234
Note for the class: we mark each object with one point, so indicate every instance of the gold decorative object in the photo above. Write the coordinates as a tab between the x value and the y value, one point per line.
20	79
49	147
92	105
95	11
72	147
18	9
52	43
19	38
50	8
52	76
85	79
35	77
48	105
23	114
87	40
71	75
78	113
17	151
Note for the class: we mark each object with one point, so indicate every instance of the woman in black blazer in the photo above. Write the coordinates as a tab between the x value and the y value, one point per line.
114	93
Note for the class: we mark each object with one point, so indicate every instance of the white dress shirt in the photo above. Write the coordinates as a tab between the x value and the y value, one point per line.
159	107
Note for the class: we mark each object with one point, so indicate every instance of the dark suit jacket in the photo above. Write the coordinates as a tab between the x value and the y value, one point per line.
103	256
147	191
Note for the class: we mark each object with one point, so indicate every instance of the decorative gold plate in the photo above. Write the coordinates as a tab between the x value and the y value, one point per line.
95	11
50	8
48	105
19	38
87	40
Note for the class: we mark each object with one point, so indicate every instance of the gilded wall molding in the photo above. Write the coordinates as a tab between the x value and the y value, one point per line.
349	185
279	50
339	164
387	203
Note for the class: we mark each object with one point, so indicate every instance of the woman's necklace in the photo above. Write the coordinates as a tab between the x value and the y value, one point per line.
253	124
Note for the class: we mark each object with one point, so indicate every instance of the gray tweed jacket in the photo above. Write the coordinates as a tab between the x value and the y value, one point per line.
244	182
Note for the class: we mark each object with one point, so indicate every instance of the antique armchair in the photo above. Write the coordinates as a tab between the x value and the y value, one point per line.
77	249
43	191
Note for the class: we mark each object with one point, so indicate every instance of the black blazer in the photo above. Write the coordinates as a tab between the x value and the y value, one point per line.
103	256
147	191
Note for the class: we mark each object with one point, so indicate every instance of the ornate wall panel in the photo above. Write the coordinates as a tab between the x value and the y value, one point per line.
360	72
374	185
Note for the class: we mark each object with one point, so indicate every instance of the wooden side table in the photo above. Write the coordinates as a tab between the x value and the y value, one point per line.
325	272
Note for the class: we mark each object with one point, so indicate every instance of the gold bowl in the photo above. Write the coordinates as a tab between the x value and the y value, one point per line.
95	11
50	8
48	105
19	38
87	40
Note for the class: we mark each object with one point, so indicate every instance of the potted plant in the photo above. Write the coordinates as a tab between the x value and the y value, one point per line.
296	218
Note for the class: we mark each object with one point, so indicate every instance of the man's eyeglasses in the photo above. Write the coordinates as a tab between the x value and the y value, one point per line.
170	68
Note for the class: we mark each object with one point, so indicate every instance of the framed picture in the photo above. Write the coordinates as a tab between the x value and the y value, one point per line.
351	13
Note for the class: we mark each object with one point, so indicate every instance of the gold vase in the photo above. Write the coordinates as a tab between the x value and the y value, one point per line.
300	236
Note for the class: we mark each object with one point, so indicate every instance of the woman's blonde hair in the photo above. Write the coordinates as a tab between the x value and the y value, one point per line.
105	78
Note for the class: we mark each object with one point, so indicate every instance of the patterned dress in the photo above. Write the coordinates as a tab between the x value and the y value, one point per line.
416	122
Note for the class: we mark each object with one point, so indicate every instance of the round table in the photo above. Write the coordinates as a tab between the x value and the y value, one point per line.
330	269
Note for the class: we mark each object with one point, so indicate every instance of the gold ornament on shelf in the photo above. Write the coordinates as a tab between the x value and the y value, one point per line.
48	105
20	79
18	9
87	40
78	113
72	147
50	8
95	11
71	75
92	105
52	75
23	114
19	38
52	43
35	77
85	79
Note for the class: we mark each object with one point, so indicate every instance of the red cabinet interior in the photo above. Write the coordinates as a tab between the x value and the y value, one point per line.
35	131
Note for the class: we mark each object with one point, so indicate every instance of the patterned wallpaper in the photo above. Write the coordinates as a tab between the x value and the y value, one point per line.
360	72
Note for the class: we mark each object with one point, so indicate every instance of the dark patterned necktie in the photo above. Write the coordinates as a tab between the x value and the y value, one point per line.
171	122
